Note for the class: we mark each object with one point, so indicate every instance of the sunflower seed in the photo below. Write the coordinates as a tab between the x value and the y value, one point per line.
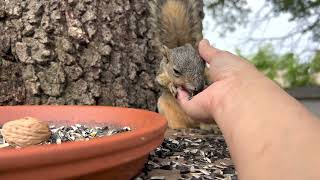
158	178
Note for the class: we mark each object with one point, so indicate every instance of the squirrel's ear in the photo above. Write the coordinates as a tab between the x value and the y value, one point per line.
165	51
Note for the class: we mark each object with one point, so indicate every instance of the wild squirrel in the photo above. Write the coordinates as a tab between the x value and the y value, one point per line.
177	30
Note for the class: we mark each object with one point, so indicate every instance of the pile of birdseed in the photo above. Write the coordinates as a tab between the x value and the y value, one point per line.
77	132
190	154
80	132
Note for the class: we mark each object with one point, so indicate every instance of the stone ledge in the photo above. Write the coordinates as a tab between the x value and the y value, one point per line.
308	92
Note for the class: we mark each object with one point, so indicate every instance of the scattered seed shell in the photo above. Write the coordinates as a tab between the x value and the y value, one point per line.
195	157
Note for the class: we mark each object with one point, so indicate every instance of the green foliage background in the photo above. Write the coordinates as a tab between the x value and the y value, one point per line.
289	66
231	14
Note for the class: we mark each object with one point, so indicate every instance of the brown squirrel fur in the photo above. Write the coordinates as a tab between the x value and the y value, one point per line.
176	22
177	29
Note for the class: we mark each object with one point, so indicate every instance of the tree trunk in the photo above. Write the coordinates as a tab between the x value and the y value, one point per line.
77	52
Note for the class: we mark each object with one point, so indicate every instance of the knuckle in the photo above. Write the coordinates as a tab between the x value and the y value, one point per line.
224	53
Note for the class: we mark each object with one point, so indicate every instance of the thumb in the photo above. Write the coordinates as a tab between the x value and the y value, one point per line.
206	51
194	107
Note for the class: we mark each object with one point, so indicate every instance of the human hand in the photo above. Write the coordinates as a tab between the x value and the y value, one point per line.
260	122
229	72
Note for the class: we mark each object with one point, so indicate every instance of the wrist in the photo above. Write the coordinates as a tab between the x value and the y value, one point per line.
264	126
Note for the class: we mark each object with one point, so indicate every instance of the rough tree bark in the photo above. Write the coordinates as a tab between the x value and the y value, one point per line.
92	52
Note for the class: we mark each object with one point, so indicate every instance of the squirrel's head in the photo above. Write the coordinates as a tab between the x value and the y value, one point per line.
185	67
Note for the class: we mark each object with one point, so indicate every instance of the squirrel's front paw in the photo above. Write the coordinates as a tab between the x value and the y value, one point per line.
173	89
162	80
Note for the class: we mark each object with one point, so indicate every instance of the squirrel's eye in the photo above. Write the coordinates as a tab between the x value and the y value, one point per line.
176	72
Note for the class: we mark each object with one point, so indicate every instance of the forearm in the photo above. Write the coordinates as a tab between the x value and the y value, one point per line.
264	127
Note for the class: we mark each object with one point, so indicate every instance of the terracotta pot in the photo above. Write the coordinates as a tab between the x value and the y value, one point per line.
121	156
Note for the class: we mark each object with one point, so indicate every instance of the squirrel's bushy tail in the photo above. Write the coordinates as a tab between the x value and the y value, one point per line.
176	22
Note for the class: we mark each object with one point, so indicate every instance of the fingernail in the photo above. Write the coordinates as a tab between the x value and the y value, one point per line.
206	41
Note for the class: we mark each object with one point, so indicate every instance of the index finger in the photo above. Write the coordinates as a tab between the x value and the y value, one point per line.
206	51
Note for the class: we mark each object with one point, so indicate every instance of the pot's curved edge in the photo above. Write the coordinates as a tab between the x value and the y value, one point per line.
80	147
85	166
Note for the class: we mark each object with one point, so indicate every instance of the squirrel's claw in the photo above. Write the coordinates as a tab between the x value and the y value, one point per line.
173	89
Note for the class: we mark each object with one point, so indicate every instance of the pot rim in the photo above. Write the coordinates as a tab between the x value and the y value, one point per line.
84	149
